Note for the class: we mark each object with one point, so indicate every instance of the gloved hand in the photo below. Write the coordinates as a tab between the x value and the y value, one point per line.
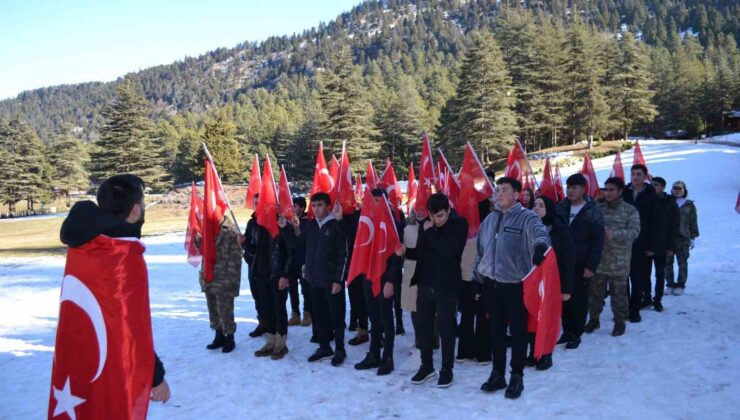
539	254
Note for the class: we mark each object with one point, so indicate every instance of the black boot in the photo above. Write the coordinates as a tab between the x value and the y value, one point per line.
657	305
320	354
218	341
399	329
516	386
564	338
258	331
370	361
229	344
545	362
339	356
573	343
495	382
386	366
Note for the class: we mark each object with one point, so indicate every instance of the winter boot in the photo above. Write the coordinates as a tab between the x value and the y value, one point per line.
386	366
218	341
294	320
281	348
268	348
229	344
619	328
370	361
657	305
545	362
495	382
306	319
592	325
339	356
361	337
516	386
573	343
258	331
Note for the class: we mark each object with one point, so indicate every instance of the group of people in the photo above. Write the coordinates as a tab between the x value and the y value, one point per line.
605	246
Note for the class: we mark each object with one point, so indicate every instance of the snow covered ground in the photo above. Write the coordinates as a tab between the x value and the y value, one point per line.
682	363
731	139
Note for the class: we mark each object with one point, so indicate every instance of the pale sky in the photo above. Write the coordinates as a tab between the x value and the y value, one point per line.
46	43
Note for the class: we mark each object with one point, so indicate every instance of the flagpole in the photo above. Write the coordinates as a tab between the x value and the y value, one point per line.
213	164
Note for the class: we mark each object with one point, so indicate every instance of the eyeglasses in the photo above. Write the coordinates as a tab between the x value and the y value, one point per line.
503	190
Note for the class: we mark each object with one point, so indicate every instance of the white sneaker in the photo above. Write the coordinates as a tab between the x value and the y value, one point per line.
678	291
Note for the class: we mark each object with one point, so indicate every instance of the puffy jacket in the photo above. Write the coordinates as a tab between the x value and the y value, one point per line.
439	251
624	222
587	231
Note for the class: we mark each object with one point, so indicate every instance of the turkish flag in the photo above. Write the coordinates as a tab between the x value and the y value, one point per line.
385	243
439	180
267	206
450	185
426	179
195	225
558	183
617	168
334	170
363	247
255	183
371	177
215	206
592	184
474	188
358	188
343	186
285	199
411	187
389	182
517	165
547	188
104	356
638	158
544	303
322	181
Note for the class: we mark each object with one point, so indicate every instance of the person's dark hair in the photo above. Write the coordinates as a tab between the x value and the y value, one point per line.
515	185
576	179
685	190
640	167
256	196
549	210
659	180
437	202
490	174
119	193
379	192
531	201
616	181
321	196
300	202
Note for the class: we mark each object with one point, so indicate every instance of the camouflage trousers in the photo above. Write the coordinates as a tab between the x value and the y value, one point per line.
617	292
682	255
221	312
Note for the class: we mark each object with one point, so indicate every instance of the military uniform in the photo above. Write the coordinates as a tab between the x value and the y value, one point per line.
227	273
624	221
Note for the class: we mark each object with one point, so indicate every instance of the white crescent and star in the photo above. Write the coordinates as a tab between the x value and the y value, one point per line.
385	237
369	223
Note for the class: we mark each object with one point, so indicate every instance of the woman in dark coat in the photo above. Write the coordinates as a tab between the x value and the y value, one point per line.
563	245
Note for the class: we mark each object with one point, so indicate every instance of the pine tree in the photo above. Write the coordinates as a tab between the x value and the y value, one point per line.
632	83
482	110
127	143
24	172
219	134
68	157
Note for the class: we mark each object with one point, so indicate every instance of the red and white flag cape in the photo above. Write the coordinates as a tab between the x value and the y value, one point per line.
544	303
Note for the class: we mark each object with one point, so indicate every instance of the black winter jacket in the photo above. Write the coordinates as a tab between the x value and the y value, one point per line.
564	246
326	252
282	251
666	224
587	232
647	205
440	253
257	249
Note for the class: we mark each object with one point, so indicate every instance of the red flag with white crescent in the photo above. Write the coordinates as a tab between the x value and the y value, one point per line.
371	177
544	303
343	187
362	252
334	170
255	183
104	355
547	188
558	181
592	184
214	205
195	226
385	243
427	179
411	187
267	205
389	182
322	181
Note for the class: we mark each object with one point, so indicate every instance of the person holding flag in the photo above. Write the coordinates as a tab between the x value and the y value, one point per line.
257	256
511	240
439	277
106	277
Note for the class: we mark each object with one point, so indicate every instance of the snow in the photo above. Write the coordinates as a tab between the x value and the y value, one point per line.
730	139
682	363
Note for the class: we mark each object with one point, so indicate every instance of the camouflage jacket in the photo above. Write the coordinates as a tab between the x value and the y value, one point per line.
688	227
227	272
624	222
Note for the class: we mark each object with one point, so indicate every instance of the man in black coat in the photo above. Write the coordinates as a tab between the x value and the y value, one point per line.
439	277
642	195
666	237
257	256
586	226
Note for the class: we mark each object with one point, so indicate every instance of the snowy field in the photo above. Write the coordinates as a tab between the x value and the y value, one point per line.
682	363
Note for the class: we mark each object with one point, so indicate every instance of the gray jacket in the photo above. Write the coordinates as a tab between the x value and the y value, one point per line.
506	242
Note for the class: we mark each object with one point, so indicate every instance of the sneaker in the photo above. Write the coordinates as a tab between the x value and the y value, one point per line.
619	328
445	378
483	362
494	383
658	306
678	291
339	356
424	374
516	386
370	361
545	362
574	343
461	358
592	325
386	366
321	354
258	331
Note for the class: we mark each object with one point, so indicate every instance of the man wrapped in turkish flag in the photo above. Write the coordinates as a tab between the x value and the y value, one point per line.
104	361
